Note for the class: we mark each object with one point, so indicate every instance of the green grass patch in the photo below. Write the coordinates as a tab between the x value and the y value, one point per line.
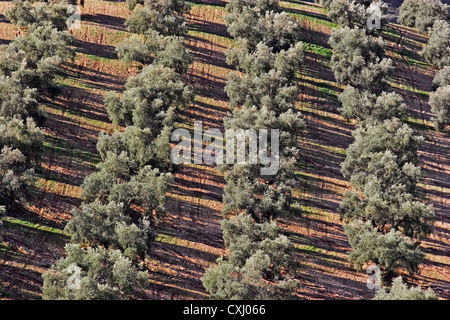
76	155
35	226
419	124
317	49
310	249
97	58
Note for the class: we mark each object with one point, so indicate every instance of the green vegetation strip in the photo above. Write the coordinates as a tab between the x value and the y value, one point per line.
36	226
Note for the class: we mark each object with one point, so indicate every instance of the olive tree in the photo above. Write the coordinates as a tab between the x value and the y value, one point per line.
440	106
122	179
442	78
263	59
358	60
17	101
159	18
15	177
107	225
390	139
23	14
44	41
260	264
347	13
385	220
421	14
355	13
170	52
277	30
177	6
437	51
23	135
390	251
400	291
149	98
34	59
18	68
94	274
270	89
260	6
366	106
140	146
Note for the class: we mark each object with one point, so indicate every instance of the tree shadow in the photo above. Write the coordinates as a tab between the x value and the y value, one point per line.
95	49
111	22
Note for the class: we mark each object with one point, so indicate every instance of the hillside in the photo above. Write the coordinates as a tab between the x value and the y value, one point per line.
189	239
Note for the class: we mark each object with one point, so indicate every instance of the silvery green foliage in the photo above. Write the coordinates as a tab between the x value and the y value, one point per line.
259	6
358	60
133	3
25	13
260	263
356	13
421	14
121	178
409	11
392	209
440	106
14	176
442	78
176	6
174	55
44	41
366	106
138	145
30	68
28	64
33	60
261	21
26	72
264	98
170	52
108	225
263	59
271	88
437	51
390	251
136	49
263	197
94	274
371	141
268	80
400	291
159	17
440	99
16	101
23	135
348	13
258	24
126	174
382	165
149	98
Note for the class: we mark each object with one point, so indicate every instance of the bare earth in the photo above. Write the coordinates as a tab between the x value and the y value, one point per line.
190	239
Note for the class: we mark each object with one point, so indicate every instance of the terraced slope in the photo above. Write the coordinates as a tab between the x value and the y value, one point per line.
189	240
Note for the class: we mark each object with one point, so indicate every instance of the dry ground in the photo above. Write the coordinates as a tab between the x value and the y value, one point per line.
189	240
